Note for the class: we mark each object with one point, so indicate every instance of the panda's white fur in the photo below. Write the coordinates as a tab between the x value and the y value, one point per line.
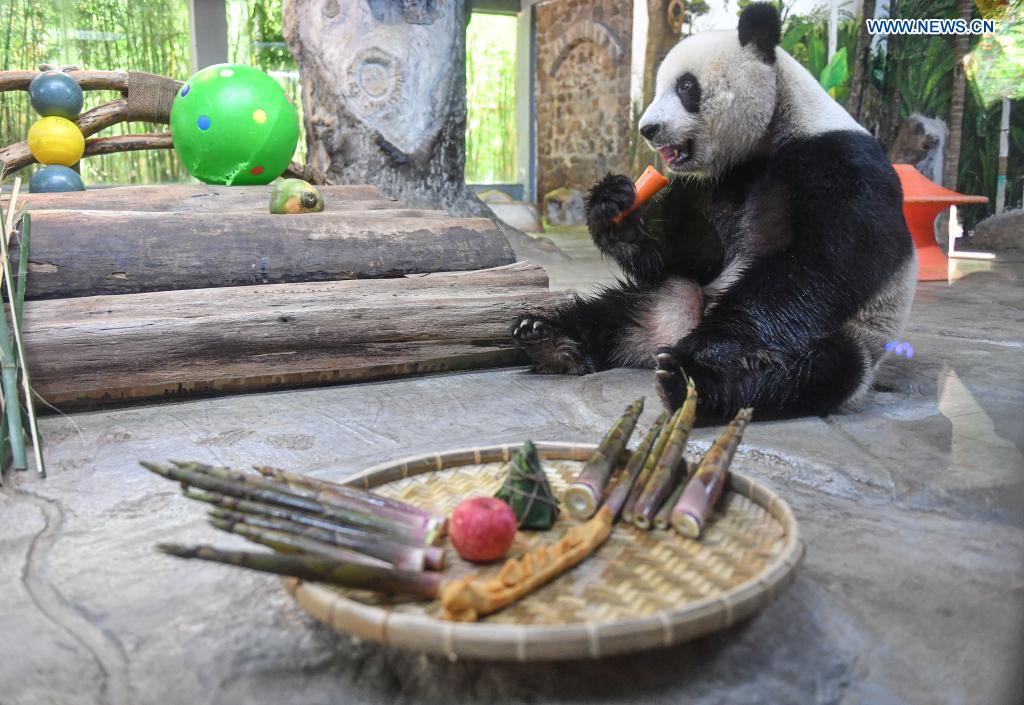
746	104
774	268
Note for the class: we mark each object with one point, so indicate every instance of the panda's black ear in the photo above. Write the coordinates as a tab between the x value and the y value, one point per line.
760	24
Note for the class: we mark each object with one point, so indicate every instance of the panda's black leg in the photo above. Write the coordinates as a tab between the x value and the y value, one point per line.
810	382
583	336
549	347
625	242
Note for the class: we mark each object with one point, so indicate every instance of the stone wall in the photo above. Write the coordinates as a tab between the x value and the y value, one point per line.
583	64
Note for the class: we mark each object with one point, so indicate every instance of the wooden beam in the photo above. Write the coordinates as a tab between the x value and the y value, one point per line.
95	146
87	253
88	80
178	343
189	198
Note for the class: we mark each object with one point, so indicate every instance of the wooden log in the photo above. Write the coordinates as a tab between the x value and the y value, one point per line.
186	197
95	146
87	253
173	343
88	80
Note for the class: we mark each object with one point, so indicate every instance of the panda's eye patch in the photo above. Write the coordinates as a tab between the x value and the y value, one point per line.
688	90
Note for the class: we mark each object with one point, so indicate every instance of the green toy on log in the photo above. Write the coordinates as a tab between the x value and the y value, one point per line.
295	196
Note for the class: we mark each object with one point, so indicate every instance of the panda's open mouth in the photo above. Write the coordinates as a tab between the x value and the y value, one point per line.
676	154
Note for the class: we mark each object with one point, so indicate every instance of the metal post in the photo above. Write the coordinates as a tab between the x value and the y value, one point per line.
208	21
833	28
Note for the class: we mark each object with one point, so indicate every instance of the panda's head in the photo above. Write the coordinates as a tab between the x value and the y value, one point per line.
716	95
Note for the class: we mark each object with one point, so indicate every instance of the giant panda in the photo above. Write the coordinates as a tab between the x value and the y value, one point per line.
774	267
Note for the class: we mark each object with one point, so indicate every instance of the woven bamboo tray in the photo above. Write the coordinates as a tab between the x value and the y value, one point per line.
641	590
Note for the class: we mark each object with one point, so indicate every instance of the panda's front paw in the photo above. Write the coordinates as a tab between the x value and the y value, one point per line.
549	348
611	197
670	378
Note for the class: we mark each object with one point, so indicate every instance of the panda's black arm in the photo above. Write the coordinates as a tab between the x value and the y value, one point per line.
676	219
670	235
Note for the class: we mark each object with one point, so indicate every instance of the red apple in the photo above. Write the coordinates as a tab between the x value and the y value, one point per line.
482	529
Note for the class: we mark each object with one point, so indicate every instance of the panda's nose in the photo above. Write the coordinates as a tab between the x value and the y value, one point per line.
649	131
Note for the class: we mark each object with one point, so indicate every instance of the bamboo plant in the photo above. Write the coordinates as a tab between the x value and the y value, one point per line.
12	347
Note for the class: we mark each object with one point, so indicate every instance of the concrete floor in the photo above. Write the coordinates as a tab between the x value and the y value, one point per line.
912	590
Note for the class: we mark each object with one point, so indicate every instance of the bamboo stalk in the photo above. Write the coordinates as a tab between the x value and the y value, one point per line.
433	553
314	568
620	493
283	499
313	483
356	504
401	556
9	371
628	509
19	348
19	301
290	543
670	465
662	520
702	491
584	495
13	201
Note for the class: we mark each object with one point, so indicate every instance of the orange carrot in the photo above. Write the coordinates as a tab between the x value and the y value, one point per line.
649	183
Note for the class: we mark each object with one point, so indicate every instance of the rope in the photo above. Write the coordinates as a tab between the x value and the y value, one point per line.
150	97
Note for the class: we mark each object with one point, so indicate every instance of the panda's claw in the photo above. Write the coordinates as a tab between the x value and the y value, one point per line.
670	378
549	348
665	360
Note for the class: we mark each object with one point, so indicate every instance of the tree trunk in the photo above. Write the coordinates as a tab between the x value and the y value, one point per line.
661	37
384	96
961	45
861	68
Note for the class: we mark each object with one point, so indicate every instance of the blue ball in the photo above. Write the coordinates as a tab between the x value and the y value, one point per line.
55	179
56	93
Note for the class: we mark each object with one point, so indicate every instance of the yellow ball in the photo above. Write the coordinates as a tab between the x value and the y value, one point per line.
56	140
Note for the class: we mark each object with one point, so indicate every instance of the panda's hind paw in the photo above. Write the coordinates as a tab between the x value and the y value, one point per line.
670	378
549	348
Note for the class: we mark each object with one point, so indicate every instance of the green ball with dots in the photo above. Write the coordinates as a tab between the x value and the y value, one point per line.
232	124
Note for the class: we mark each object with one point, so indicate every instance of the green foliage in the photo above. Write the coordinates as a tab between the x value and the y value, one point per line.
834	76
921	69
979	157
805	37
996	63
491	99
149	35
